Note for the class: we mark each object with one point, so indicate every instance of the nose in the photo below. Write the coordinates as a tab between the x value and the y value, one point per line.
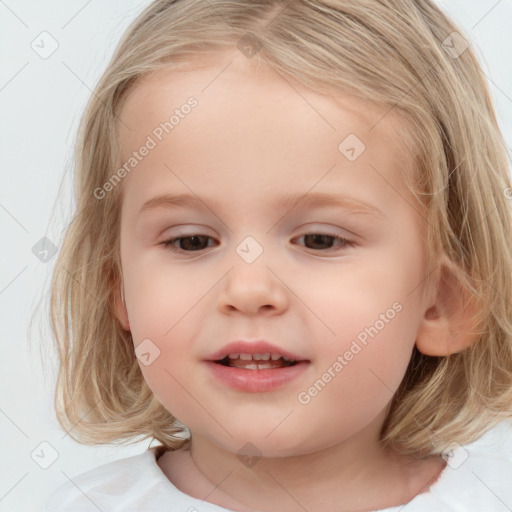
249	288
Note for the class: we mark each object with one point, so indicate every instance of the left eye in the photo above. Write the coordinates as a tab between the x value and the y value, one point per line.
318	241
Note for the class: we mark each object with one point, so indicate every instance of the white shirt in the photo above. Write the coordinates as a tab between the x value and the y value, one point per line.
472	481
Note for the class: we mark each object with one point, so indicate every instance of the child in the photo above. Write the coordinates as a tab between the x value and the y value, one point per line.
194	304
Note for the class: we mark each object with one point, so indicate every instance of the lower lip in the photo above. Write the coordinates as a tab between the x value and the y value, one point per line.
256	381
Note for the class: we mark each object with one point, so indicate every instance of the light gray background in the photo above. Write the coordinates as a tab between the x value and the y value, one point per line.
41	101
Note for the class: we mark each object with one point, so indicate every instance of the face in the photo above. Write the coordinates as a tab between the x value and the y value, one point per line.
293	234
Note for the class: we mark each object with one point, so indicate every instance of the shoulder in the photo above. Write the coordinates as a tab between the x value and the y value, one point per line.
112	486
131	484
484	477
472	480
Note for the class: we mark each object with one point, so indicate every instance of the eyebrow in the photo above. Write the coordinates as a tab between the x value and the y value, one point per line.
308	200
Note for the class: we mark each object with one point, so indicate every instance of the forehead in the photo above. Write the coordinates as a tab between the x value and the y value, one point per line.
230	80
252	122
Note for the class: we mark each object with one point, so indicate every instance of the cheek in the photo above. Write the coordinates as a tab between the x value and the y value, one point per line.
355	380
164	315
160	299
373	316
365	313
373	297
167	379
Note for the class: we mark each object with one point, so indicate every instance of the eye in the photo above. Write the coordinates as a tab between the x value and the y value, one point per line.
189	243
318	241
321	239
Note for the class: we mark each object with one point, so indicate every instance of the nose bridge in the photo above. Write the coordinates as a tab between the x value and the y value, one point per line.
252	282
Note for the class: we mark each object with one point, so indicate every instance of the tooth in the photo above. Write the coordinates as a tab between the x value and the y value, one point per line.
245	357
275	357
251	367
261	357
233	356
286	359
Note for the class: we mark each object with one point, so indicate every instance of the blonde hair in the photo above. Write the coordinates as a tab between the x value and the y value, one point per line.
389	52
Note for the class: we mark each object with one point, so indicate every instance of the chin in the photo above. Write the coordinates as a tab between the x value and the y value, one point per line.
259	443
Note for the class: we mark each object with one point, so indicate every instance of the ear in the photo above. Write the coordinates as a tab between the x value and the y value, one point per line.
119	308
450	321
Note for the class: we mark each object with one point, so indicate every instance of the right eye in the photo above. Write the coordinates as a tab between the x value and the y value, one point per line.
189	243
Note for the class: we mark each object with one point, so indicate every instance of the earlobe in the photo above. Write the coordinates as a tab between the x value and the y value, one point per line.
120	310
450	323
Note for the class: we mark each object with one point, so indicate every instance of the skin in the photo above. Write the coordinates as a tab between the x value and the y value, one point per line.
251	139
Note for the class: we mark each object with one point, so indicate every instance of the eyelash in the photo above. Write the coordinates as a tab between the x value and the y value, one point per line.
344	242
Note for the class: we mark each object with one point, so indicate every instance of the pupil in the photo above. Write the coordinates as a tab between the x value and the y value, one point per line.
193	245
316	237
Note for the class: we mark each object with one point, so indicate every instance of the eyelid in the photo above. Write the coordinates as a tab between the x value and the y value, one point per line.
305	229
343	242
183	230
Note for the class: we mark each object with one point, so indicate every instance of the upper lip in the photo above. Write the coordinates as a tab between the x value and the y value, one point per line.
251	347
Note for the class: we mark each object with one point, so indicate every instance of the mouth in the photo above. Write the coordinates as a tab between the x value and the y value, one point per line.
255	366
266	361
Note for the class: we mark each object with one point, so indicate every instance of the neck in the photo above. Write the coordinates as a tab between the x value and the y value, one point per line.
356	475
